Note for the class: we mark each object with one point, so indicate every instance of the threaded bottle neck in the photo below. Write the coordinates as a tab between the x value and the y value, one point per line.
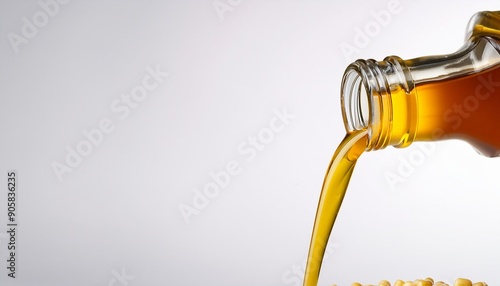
379	96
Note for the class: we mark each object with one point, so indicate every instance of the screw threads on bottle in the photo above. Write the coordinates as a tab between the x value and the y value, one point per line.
379	96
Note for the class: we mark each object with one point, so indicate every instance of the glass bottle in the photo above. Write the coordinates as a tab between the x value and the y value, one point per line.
455	96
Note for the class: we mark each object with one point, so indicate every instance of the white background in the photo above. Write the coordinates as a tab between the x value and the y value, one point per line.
118	210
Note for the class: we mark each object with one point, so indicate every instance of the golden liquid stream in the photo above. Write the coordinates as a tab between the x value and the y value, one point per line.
333	191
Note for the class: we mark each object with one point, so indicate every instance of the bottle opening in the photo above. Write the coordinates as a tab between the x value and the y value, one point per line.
355	101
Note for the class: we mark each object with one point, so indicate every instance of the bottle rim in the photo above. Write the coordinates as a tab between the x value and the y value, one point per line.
367	93
355	100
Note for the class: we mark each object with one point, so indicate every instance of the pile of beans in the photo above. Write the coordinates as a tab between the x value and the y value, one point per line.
424	282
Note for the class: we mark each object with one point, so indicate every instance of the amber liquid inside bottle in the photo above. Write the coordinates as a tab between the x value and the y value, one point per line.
462	108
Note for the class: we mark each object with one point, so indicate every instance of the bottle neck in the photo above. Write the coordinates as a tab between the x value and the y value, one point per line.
379	96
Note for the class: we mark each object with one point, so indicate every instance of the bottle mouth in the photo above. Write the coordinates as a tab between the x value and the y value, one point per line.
355	100
370	92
